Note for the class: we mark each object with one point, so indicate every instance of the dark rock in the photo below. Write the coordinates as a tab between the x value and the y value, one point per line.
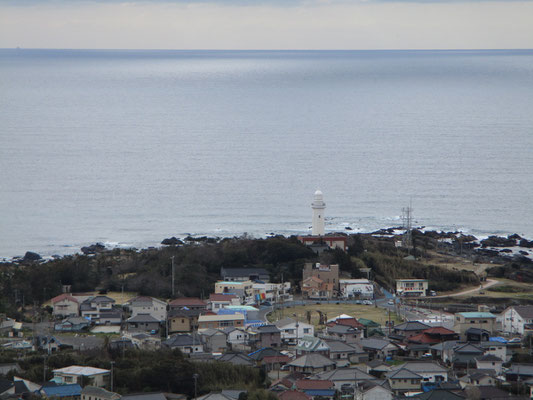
497	241
526	243
506	251
524	253
348	228
514	236
173	241
93	248
31	256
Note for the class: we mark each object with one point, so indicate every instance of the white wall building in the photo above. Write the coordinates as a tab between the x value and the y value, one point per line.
356	288
272	292
148	305
292	330
516	319
411	287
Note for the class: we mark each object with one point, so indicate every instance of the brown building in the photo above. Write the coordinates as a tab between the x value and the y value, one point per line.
326	273
183	320
192	303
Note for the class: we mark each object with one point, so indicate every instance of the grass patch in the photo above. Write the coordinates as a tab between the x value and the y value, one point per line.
508	289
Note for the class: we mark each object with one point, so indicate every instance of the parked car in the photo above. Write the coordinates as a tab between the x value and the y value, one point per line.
390	302
367	302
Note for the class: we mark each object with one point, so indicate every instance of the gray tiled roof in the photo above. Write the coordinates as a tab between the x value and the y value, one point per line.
312	360
411	326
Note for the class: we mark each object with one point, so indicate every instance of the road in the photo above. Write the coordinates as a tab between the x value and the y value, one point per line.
488	283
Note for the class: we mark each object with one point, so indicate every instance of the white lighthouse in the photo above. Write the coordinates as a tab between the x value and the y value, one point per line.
318	207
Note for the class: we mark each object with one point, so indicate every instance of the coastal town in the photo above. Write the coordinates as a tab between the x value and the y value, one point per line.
337	323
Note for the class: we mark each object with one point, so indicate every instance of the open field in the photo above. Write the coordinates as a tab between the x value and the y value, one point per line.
455	263
376	314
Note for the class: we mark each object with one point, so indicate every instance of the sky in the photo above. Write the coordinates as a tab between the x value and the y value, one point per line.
267	24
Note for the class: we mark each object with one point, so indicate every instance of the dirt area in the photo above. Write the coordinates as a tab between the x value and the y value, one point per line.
455	263
119	297
376	314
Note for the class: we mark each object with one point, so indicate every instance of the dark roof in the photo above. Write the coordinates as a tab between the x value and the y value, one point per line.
521	369
310	384
184	313
182	340
439	394
293	395
403	373
312	360
268	329
144	396
238	272
489	357
259	354
411	326
376	344
525	312
101	299
341	329
20	387
5	385
236	359
142	318
337	346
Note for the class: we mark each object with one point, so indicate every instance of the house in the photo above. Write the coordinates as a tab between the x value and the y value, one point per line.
344	333
466	320
72	324
244	274
444	350
271	292
274	363
517	319
316	388
316	289
98	393
268	336
311	344
439	394
496	348
410	328
311	363
148	305
370	390
236	336
237	359
328	274
292	330
356	288
490	362
293	395
6	368
479	377
143	323
220	300
214	340
319	243
402	380
477	335
222	395
434	335
65	305
69	391
189	303
465	355
411	287
429	371
345	376
81	375
183	320
221	321
340	350
187	344
379	348
100	310
517	372
145	341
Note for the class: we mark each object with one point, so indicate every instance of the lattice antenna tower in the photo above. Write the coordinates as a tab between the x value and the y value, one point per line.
407	218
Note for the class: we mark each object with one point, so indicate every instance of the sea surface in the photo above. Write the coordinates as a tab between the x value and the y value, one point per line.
130	147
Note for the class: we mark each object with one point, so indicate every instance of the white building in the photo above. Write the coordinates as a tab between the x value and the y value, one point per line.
318	207
148	305
292	330
82	375
411	287
516	319
272	292
65	305
356	288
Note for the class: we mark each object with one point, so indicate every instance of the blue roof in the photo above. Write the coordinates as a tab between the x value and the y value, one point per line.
477	315
497	339
62	390
320	392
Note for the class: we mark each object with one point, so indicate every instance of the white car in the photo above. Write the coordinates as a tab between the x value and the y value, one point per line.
390	302
367	302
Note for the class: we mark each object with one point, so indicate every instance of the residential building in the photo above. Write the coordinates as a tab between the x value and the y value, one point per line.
311	363
292	330
357	288
181	320
345	333
371	390
148	305
491	362
237	359
189	303
65	305
465	355
411	287
316	289
98	393
402	380
218	301
379	348
311	344
482	320
143	323
187	344
327	273
65	392
72	324
83	376
242	289
236	336
272	292
244	274
214	340
327	242
93	307
430	371
221	321
517	319
340	350
268	336
345	376
409	329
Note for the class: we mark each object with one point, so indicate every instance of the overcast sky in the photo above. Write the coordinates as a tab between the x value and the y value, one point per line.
264	24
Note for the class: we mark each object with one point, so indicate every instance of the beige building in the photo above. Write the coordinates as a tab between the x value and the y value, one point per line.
244	289
411	287
65	305
326	273
482	320
220	321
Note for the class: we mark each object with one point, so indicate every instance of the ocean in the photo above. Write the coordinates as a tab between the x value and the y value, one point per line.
130	147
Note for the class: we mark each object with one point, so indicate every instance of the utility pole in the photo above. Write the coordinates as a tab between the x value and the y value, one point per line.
112	364
407	217
172	258
195	377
